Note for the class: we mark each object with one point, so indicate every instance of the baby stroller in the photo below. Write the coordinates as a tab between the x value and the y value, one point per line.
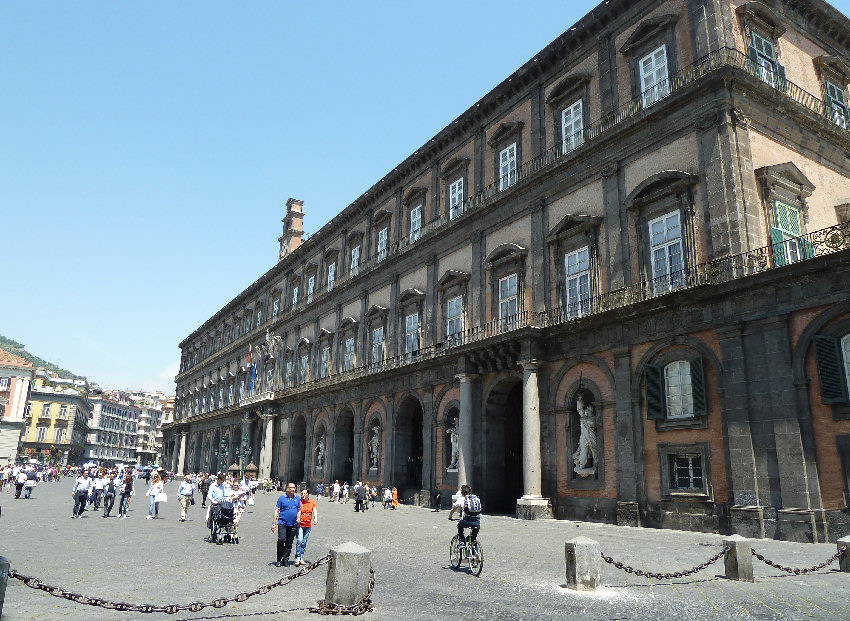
222	528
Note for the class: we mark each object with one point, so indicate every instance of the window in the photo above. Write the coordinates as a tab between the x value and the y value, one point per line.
63	411
383	235
653	76
4	383
325	357
378	345
572	124
577	269
454	319
456	198
762	55
348	354
836	104
411	333
415	223
294	296
677	380
311	287
507	166
289	374
241	389
833	361
259	317
686	472
675	389
355	261
237	330
786	237
230	394
41	432
27	408
508	301
275	309
221	402
665	236
331	275
45	410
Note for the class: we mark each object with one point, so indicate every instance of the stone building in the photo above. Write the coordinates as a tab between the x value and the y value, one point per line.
615	288
113	433
16	376
56	421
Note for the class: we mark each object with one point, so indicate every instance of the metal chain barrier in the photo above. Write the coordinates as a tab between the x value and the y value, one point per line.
676	574
362	606
807	570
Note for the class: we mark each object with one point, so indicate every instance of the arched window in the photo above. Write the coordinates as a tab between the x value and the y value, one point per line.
677	383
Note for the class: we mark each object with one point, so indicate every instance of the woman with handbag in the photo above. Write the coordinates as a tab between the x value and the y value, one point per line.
155	495
126	493
186	493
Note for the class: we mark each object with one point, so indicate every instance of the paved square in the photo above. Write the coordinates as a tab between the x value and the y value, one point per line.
165	561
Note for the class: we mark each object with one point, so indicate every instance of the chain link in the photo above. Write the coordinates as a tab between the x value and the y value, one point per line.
35	583
676	574
363	606
807	570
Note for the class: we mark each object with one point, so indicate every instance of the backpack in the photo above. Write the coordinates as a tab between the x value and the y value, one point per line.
472	505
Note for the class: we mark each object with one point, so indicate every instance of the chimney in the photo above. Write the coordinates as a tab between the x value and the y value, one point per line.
292	228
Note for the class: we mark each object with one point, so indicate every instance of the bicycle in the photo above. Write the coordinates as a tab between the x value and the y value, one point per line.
466	550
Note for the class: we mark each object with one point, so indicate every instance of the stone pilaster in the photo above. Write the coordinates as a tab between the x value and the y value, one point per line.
532	505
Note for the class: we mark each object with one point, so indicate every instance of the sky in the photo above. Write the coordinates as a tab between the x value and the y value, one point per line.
147	149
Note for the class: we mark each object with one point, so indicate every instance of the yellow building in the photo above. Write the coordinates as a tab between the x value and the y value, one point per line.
56	417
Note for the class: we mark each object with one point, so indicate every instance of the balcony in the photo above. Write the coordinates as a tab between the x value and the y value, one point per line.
586	138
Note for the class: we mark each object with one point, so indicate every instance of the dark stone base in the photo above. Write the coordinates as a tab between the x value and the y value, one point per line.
702	517
628	513
533	509
603	510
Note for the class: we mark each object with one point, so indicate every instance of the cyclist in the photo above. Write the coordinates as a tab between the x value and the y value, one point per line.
469	507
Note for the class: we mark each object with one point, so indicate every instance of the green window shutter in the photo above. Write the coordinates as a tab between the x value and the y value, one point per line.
827	106
656	406
752	60
698	388
808	249
781	82
776	240
833	388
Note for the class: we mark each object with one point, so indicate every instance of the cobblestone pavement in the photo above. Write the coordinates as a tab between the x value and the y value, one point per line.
165	561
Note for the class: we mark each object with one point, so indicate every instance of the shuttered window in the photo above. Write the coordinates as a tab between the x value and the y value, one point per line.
572	123
456	199
507	167
415	223
577	268
653	76
832	356
675	391
836	104
665	238
786	237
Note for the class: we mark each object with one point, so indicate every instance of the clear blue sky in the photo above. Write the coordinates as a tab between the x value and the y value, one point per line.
148	148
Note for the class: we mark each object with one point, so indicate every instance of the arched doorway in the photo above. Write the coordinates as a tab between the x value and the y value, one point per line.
407	445
343	458
502	472
297	448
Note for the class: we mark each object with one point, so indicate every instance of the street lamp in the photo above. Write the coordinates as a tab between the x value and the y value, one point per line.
221	454
244	451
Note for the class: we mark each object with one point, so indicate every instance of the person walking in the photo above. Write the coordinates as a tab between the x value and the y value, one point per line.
110	490
20	481
308	516
126	493
185	493
286	524
97	489
204	487
335	492
31	482
395	501
359	497
153	491
388	497
82	487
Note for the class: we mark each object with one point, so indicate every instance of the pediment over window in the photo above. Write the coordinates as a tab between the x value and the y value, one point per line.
231	374
331	252
648	29
380	215
348	323
414	194
659	185
759	14
835	66
354	237
454	166
324	333
376	311
788	176
304	342
568	86
573	223
452	278
410	296
505	252
504	131
311	266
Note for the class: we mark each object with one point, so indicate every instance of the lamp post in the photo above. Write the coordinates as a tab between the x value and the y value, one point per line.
244	451
221	454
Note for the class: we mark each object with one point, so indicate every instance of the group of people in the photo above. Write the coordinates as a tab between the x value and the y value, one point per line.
294	518
102	487
363	494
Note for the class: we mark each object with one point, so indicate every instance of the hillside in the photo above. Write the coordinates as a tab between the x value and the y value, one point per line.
18	349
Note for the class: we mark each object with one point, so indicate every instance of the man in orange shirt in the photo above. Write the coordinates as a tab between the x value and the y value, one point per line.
308	515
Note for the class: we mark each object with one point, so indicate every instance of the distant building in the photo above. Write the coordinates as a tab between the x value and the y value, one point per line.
112	435
56	418
16	375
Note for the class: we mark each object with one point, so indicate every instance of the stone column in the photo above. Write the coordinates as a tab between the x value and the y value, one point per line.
464	430
532	505
267	447
181	457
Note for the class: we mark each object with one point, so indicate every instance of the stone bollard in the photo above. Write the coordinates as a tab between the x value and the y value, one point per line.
4	578
348	574
844	559
739	559
583	564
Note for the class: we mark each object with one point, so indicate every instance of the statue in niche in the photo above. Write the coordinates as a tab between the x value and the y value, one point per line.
585	456
320	451
452	432
375	447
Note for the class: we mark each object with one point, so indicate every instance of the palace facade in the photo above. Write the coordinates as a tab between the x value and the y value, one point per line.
616	288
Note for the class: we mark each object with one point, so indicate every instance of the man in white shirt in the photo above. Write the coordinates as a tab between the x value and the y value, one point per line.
82	487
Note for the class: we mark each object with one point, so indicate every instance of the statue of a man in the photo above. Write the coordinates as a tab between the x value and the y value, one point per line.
587	439
320	452
453	439
375	447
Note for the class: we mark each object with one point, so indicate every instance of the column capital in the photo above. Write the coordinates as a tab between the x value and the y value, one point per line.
531	365
465	378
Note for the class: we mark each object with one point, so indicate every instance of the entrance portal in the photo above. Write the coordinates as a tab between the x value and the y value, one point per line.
407	445
502	476
343	457
297	448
